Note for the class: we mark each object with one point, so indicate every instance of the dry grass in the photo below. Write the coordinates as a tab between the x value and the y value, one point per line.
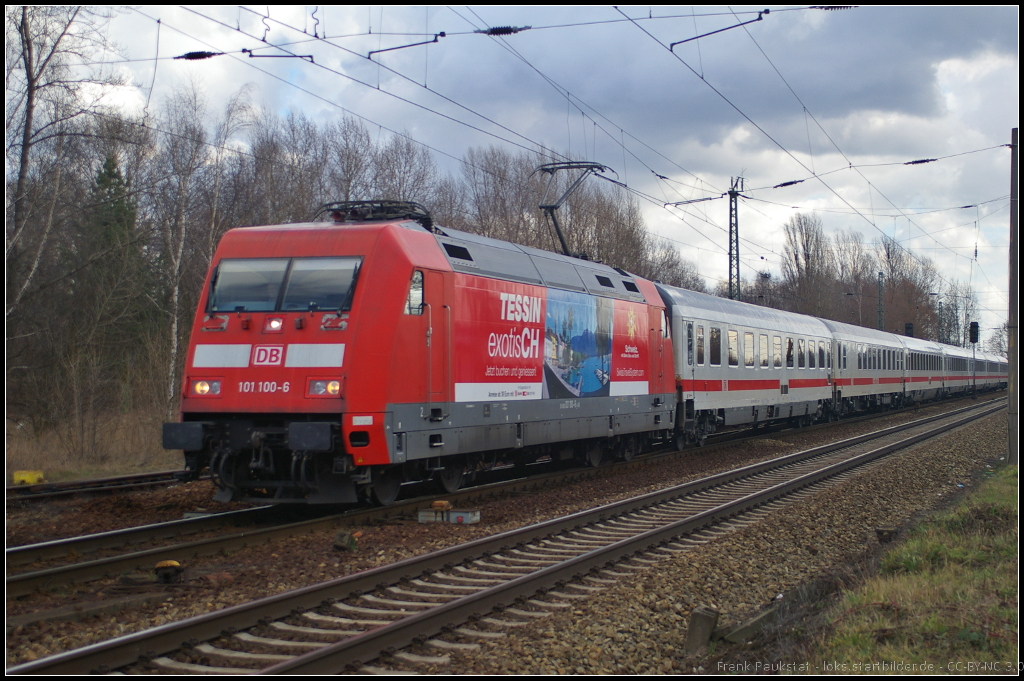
945	601
109	444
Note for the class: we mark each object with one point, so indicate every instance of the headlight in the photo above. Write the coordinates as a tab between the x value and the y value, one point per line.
324	388
206	388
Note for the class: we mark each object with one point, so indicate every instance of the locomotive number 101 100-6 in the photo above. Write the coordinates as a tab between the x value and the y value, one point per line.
263	386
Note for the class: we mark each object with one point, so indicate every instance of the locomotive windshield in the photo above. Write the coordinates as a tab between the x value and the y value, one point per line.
283	284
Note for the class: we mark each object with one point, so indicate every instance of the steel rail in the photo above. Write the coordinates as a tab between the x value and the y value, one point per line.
58	548
153	642
25	583
421	626
46	490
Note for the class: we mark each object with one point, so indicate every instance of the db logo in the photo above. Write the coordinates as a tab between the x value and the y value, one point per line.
268	355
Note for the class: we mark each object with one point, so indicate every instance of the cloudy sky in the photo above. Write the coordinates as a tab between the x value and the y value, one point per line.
838	99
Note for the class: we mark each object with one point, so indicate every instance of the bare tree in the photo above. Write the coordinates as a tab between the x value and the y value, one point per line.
45	101
182	156
665	264
907	285
809	271
959	307
857	280
998	342
351	160
502	196
404	171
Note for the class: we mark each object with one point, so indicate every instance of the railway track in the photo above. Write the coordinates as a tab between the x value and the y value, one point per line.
112	485
517	576
62	562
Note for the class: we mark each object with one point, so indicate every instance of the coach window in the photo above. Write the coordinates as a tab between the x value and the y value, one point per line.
800	353
821	354
700	345
810	355
764	350
414	301
748	349
789	353
778	352
734	341
716	346
689	343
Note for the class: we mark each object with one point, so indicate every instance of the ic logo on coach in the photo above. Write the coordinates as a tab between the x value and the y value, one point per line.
267	355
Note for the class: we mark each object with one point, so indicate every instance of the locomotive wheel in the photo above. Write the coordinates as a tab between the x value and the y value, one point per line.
387	483
450	479
627	450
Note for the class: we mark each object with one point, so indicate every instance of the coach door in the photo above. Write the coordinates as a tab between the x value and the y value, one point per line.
689	364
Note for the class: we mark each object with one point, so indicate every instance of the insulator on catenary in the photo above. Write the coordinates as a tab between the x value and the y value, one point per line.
199	55
503	30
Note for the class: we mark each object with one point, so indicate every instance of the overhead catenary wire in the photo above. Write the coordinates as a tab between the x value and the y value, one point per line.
323	99
538	145
850	163
778	144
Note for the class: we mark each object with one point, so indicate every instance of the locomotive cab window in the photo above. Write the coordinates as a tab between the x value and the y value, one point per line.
414	301
320	284
282	284
247	285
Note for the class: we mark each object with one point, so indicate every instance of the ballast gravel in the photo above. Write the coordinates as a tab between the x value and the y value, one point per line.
639	625
635	626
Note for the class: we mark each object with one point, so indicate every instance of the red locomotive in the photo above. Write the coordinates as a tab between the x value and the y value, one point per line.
331	361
